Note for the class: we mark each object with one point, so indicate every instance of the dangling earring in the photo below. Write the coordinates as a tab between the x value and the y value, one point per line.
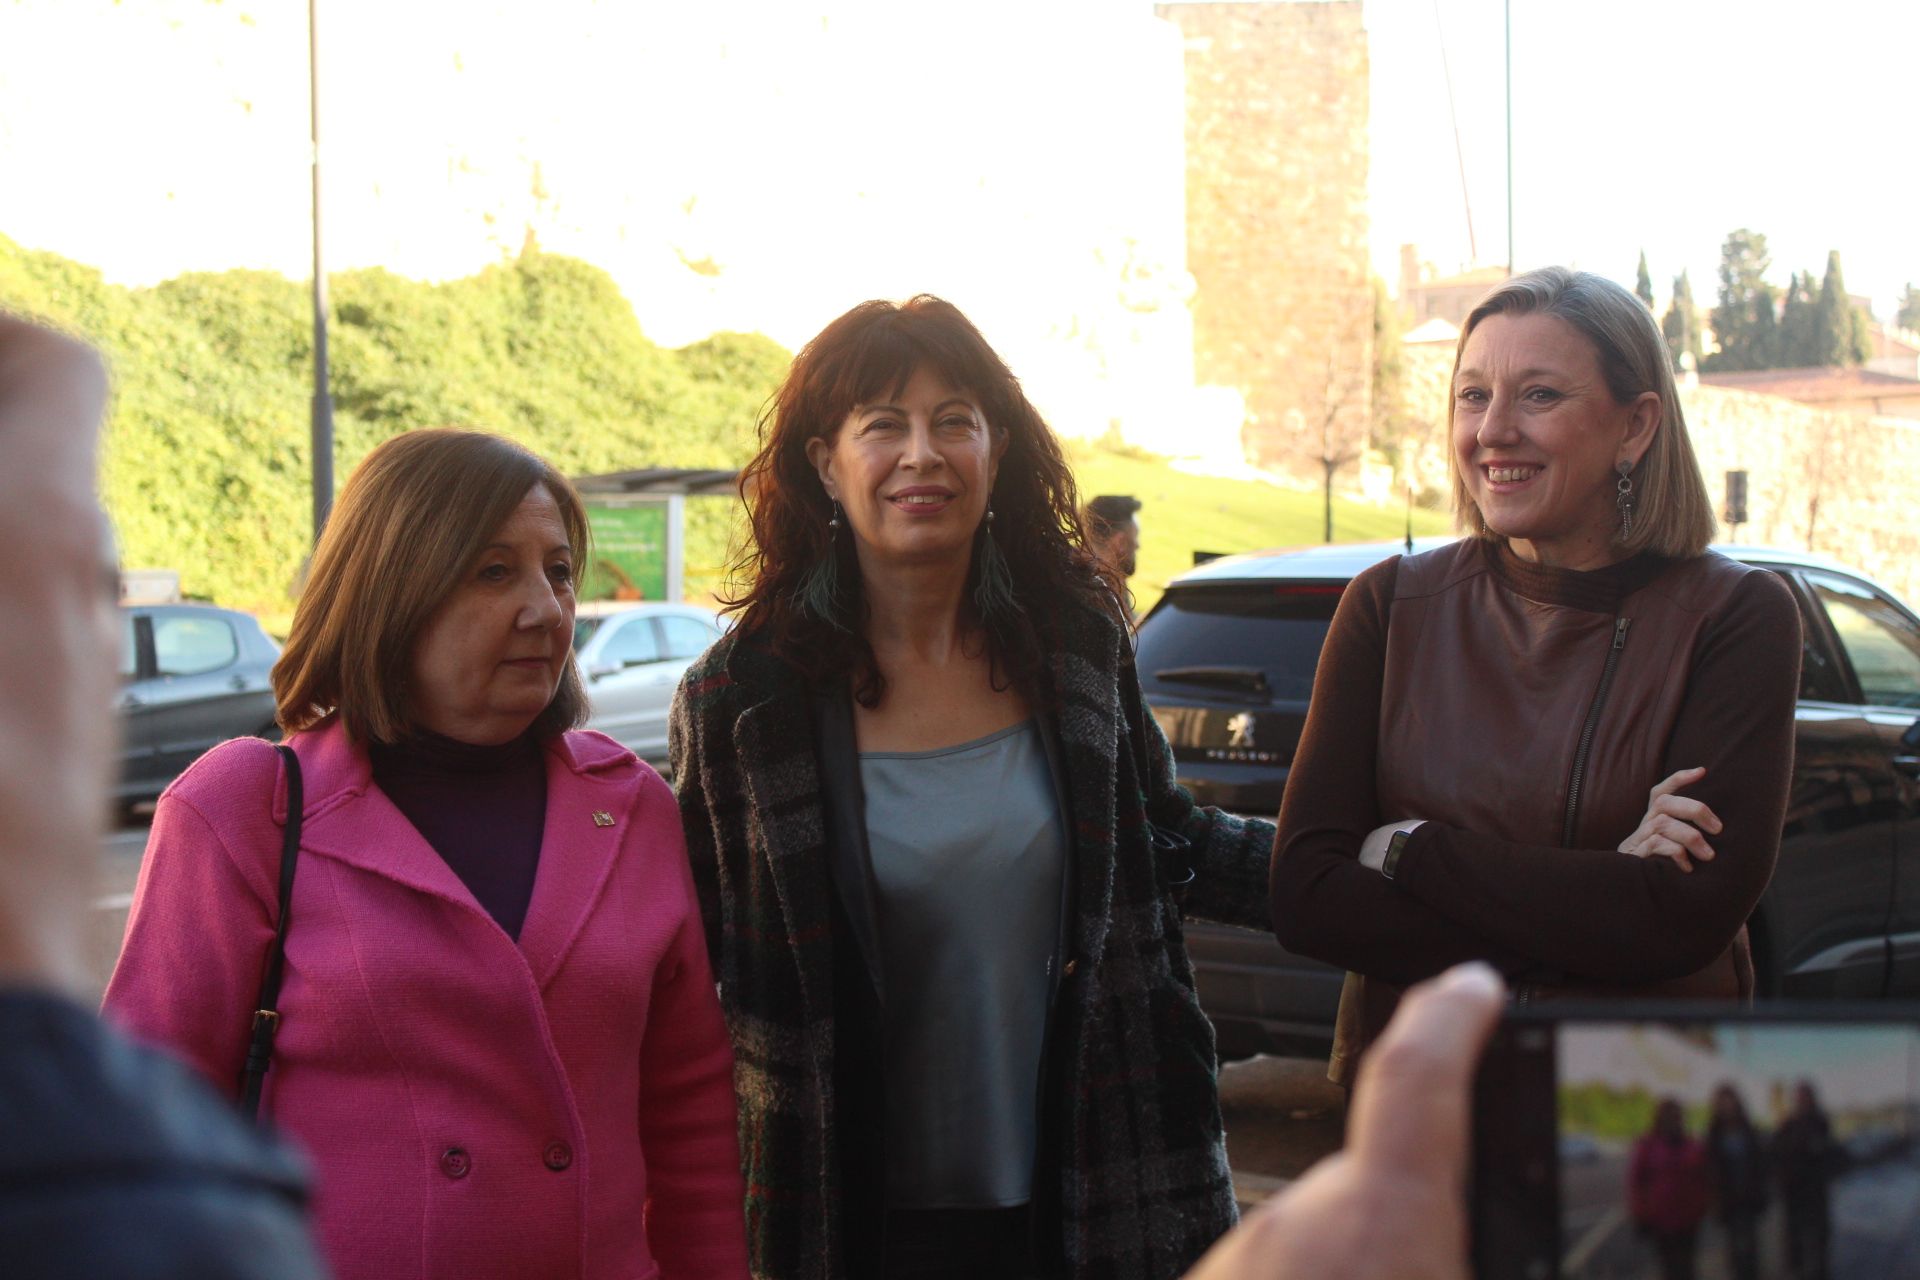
1623	498
819	590
993	595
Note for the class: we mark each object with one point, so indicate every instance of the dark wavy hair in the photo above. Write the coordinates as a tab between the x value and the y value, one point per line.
871	352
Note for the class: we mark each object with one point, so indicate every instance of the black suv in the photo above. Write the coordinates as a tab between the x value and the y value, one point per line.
1227	660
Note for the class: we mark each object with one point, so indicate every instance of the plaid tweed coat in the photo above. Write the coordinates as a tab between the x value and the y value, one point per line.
1142	1168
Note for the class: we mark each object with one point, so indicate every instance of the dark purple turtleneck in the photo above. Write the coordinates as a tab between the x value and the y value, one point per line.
481	808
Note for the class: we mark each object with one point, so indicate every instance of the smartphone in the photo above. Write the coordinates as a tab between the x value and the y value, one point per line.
1617	1141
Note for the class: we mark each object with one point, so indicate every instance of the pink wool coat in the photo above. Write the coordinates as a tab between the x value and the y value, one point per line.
474	1107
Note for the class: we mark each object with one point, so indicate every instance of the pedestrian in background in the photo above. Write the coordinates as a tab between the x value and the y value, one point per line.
939	846
1113	532
499	1039
1667	1190
1737	1159
1563	743
1806	1158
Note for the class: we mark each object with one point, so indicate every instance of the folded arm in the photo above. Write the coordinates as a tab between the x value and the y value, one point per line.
1325	903
1599	913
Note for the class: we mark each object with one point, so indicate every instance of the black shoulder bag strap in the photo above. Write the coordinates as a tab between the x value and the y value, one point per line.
266	1014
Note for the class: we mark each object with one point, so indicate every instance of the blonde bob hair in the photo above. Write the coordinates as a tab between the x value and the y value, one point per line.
1672	515
413	518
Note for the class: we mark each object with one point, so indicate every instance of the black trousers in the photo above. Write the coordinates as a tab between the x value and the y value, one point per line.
960	1244
1676	1251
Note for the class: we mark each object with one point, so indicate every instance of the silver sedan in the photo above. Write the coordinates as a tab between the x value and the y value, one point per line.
631	659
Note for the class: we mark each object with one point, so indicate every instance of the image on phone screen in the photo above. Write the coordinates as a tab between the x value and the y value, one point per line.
1720	1149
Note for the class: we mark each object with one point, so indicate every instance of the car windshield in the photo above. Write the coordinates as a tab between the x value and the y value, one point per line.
1259	640
583	629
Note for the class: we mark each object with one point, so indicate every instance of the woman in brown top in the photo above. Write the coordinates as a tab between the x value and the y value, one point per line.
1561	744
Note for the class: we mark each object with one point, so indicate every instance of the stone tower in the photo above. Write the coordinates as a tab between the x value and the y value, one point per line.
1277	220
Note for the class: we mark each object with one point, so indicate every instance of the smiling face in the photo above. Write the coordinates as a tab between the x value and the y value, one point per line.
490	657
913	473
1537	435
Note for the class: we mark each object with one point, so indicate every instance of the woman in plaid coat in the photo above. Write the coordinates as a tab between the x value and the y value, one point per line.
940	853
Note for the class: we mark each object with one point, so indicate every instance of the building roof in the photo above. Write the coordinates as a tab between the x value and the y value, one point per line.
1817	384
1435	330
1480	277
1890	339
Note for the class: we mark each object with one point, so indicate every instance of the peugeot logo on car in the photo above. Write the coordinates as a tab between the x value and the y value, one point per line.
1240	729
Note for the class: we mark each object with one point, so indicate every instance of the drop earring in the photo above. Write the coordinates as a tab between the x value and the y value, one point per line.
993	597
1623	497
818	591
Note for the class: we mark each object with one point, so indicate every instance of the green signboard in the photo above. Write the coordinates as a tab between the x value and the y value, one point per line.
629	552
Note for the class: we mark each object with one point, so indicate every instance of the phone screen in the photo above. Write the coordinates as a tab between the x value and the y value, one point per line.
1765	1145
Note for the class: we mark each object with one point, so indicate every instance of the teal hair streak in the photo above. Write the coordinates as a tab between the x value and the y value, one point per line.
819	589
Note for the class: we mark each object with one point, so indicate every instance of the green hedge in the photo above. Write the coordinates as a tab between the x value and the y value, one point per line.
205	465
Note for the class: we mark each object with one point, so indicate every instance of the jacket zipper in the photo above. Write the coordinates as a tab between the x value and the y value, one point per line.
1587	731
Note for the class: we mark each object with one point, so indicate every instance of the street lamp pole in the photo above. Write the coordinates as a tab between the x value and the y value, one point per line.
1507	10
322	434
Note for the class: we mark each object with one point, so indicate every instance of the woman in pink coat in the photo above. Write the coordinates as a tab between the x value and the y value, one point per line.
1667	1190
499	1042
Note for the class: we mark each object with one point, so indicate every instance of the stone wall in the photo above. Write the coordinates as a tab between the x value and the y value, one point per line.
1276	219
1843	486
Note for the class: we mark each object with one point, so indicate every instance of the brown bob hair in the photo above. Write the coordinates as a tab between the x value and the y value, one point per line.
868	353
411	521
1673	516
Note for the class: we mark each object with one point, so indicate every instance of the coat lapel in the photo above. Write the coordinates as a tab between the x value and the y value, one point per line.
773	742
589	817
844	802
1085	664
351	820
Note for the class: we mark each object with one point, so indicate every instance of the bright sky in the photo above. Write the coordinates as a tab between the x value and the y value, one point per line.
1005	151
1794	1051
1655	124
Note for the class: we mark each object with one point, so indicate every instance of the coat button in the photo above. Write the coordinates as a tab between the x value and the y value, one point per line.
558	1156
455	1162
1071	966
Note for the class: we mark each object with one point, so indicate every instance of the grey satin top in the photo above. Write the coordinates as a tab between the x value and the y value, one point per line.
968	854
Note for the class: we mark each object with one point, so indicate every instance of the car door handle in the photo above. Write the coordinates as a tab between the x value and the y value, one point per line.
238	684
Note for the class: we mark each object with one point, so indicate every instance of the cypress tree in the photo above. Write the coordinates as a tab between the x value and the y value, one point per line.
1908	314
1643	283
1833	318
1763	329
1799	344
1743	319
1681	325
1860	344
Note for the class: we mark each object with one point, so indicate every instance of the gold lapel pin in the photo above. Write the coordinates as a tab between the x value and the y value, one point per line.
601	818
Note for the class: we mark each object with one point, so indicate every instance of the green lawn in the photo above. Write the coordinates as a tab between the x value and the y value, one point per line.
1186	513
